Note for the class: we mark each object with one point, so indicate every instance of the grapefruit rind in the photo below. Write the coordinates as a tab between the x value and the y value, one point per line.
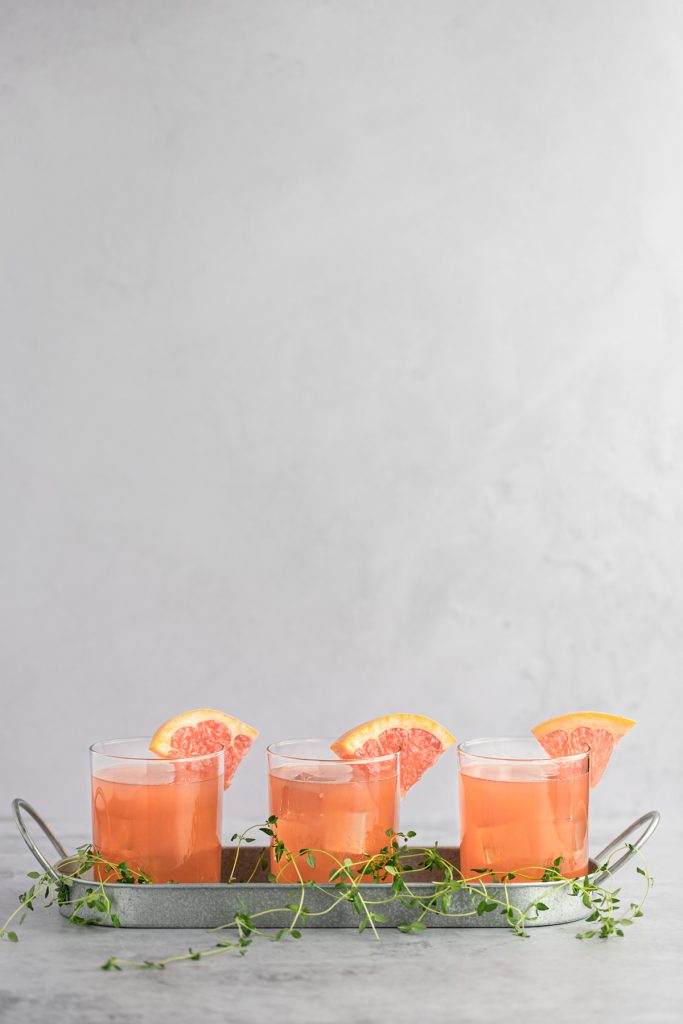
200	731
573	733
420	740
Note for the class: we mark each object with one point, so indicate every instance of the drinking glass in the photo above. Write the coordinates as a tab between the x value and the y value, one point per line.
336	808
162	816
520	809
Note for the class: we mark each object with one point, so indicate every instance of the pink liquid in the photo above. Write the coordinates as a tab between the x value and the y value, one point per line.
343	810
523	825
166	822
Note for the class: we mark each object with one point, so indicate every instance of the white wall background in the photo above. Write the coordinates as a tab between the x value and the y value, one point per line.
342	373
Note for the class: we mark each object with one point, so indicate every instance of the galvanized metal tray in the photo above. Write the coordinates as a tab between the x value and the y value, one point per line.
210	905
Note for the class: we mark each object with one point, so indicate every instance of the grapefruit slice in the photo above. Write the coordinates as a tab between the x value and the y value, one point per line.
571	734
420	740
201	731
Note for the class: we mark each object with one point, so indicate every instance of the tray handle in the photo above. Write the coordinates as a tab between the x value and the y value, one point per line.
650	821
18	806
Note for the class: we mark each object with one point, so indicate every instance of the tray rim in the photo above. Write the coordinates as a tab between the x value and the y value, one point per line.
284	886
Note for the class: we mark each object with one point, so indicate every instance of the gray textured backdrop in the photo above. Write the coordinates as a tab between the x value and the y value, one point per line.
342	373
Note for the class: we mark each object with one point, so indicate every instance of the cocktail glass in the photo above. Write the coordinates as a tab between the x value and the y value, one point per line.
520	809
337	809
159	815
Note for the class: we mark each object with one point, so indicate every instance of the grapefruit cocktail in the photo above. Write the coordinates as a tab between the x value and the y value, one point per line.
520	809
158	816
337	809
157	804
342	798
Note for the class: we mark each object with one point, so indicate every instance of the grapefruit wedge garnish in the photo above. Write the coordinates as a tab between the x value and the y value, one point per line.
571	734
202	731
420	740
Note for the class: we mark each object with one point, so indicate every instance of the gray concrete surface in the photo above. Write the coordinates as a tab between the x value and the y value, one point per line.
333	977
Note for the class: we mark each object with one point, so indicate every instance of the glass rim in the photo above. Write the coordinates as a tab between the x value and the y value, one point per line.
462	748
152	759
372	759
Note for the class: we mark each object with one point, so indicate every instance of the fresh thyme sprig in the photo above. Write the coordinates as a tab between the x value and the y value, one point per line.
45	890
395	865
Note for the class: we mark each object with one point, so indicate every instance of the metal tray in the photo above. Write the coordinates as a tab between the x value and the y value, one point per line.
210	905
